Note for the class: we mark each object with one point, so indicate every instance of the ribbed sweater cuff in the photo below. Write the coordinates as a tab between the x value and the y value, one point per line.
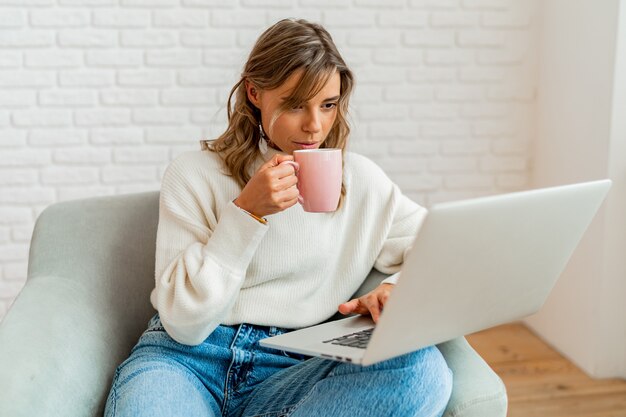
391	279
235	239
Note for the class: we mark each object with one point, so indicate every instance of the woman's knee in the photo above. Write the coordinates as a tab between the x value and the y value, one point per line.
422	378
429	381
418	383
154	386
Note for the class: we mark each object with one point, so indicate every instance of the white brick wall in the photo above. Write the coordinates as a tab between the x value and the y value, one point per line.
98	96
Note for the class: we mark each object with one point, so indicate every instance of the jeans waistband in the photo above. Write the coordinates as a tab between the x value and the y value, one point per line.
252	332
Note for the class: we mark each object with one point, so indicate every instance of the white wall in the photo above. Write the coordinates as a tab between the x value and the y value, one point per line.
97	96
611	338
581	135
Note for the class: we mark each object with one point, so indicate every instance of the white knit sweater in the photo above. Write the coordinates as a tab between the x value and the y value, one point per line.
217	265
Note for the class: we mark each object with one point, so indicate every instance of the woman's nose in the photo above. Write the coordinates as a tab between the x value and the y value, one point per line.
312	123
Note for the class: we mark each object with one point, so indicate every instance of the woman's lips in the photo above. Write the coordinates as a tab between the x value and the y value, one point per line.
306	145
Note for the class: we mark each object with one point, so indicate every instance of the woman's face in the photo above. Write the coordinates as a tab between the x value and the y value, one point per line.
305	127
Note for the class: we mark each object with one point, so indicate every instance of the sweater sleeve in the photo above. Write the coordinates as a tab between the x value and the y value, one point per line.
200	261
407	219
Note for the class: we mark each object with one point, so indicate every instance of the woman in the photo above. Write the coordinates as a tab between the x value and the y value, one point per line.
237	260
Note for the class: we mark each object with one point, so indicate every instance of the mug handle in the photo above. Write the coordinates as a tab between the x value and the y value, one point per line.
296	167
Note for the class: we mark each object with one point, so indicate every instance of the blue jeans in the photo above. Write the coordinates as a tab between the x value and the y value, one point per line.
230	374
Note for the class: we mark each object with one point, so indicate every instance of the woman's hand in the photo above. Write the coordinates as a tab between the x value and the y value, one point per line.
371	303
271	189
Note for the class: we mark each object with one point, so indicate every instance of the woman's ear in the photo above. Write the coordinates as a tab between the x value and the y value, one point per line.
253	94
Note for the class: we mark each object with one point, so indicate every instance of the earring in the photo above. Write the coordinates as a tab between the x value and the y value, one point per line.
262	140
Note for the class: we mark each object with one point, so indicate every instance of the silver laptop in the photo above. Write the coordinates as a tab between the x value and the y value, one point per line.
474	264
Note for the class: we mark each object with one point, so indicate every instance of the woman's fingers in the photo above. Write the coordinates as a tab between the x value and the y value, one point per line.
276	161
374	308
363	305
284	171
371	303
352	306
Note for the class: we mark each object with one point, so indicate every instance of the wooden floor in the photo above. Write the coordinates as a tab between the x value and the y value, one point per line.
540	382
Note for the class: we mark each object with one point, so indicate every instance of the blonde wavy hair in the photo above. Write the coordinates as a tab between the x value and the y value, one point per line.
285	47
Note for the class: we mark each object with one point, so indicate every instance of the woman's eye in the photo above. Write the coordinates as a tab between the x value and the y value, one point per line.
328	106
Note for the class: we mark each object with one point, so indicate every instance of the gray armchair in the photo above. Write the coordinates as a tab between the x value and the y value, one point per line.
85	304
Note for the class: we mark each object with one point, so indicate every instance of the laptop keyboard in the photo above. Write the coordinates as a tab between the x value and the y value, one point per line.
357	340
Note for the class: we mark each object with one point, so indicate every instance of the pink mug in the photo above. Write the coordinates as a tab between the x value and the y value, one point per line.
319	174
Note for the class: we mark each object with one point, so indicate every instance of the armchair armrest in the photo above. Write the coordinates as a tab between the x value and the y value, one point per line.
90	267
477	391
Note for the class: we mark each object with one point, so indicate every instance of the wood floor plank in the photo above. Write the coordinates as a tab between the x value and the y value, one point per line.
535	367
510	342
604	405
557	389
541	382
